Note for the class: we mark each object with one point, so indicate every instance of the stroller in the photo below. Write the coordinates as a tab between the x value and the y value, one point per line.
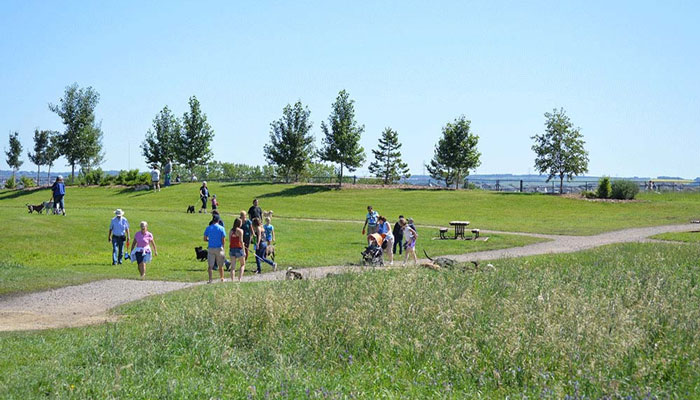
373	254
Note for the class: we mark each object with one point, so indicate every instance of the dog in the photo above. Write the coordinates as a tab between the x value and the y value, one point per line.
443	262
202	254
48	207
35	207
293	275
190	210
270	252
267	214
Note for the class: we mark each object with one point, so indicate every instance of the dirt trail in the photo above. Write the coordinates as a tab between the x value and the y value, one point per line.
89	303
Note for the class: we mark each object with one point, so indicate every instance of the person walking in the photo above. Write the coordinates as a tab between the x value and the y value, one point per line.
118	234
167	170
398	236
411	236
260	247
247	227
254	211
215	236
204	196
384	229
216	219
269	231
370	221
59	191
155	178
235	250
214	203
143	248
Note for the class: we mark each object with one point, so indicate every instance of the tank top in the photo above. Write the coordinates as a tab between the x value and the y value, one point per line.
235	242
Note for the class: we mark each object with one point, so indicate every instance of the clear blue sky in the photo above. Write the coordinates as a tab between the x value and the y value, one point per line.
628	73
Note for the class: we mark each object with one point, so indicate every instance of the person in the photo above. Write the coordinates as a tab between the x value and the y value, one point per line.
235	250
370	221
215	236
167	170
411	236
260	247
398	236
410	223
59	191
204	196
178	179
247	226
155	178
384	229
118	234
142	248
254	211
214	203
216	219
269	231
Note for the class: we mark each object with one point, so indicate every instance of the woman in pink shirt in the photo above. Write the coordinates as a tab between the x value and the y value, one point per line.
141	248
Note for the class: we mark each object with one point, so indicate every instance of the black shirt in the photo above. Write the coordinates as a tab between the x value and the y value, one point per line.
255	212
398	232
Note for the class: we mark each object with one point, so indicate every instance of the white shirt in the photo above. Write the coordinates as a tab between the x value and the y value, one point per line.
155	175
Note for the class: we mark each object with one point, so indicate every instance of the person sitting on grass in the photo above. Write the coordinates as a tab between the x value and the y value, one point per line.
269	231
215	236
236	248
410	235
142	247
260	247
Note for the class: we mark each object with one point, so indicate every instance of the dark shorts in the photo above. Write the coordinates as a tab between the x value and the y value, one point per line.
246	241
139	256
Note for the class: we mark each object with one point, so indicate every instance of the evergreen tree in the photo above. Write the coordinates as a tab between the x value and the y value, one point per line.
41	144
81	142
559	150
161	141
388	165
341	141
291	145
193	144
13	154
455	153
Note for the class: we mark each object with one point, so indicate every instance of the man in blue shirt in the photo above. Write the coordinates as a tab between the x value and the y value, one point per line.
215	236
370	221
118	234
59	190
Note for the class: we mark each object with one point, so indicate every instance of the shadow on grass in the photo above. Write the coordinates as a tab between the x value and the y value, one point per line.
13	194
298	191
229	184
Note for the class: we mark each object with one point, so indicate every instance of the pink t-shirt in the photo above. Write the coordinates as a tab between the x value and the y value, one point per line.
143	240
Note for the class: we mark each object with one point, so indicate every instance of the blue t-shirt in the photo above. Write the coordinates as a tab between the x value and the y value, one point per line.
119	226
246	228
268	232
384	229
59	189
372	218
216	234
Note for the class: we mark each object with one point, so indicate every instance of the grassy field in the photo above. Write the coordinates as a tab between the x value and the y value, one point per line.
619	321
688	237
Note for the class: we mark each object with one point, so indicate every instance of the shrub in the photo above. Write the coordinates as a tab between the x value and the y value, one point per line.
604	188
10	184
624	190
107	180
27	182
589	194
93	177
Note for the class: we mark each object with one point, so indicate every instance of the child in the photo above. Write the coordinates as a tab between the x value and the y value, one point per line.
214	203
236	249
269	231
410	236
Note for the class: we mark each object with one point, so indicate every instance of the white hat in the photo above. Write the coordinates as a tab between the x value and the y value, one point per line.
60	177
119	212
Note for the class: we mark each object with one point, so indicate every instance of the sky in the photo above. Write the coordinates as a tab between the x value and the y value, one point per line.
627	74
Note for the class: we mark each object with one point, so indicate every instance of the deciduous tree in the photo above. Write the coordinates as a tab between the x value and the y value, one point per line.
41	144
341	141
52	152
193	144
13	154
455	153
559	150
291	146
161	140
388	165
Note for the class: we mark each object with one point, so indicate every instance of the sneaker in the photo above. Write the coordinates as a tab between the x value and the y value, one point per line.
113	263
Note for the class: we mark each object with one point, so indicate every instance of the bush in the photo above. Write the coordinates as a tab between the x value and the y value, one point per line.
589	194
27	182
107	180
604	188
93	177
10	184
624	190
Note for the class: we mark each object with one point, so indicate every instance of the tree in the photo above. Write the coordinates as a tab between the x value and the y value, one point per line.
559	150
161	141
291	144
41	144
52	152
455	153
81	142
388	164
13	154
195	138
342	139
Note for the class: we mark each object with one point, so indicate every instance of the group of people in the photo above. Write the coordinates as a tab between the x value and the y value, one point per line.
403	236
143	247
247	228
155	175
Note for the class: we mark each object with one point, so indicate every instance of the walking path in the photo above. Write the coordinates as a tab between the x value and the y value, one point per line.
89	303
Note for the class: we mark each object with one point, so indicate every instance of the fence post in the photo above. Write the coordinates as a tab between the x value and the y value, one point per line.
586	185
354	179
521	186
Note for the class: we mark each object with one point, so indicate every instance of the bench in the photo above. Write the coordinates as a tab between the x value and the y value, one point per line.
476	233
443	231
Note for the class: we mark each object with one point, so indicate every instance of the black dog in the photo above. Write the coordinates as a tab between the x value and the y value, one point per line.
201	253
190	209
36	208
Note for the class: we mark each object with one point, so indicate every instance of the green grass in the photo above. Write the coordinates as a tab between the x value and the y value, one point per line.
616	321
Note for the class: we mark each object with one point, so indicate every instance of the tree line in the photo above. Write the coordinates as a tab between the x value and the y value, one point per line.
290	152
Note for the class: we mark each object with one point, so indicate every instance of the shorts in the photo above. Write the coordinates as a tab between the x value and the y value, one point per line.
246	241
236	252
372	229
410	244
216	256
141	257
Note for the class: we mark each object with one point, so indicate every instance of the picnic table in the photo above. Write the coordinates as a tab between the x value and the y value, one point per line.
459	228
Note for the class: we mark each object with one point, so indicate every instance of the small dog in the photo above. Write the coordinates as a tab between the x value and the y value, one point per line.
48	207
293	275
202	254
270	252
37	208
267	214
190	209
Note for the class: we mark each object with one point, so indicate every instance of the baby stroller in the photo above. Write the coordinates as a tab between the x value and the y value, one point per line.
373	254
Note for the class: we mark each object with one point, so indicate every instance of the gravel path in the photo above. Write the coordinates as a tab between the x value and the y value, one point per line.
89	303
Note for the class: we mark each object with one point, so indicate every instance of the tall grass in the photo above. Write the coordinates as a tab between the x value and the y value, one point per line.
616	322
